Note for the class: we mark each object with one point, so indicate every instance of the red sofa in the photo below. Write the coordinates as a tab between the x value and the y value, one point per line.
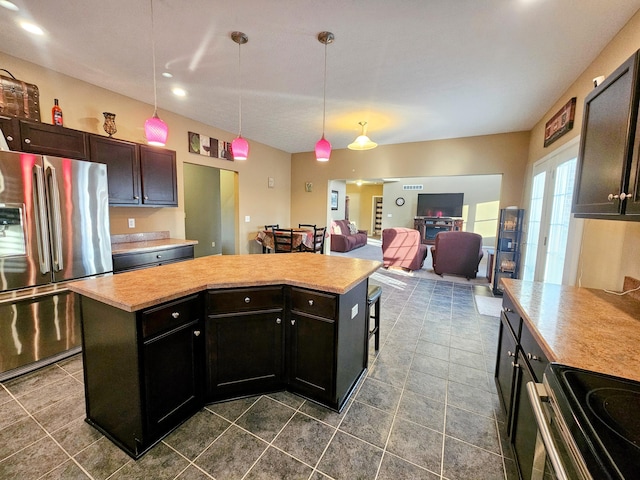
342	240
457	253
402	247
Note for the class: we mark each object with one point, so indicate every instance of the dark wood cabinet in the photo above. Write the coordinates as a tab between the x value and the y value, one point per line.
123	168
158	176
123	262
53	140
505	371
524	430
142	370
11	130
508	247
607	179
429	227
244	338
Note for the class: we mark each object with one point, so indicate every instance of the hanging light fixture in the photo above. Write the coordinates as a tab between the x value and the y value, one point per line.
240	146
323	147
362	142
155	129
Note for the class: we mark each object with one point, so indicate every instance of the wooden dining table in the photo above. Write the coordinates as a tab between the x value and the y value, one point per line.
301	236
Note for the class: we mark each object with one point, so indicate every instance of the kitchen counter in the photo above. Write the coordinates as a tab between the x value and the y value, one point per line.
581	327
136	290
144	242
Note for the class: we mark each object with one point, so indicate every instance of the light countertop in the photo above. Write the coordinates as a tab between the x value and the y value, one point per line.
135	290
582	327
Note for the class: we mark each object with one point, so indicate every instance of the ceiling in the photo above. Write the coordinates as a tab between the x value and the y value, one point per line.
415	70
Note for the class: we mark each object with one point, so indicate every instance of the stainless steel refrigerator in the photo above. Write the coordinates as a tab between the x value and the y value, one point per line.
54	228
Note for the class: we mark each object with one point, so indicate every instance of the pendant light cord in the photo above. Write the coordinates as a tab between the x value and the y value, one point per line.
324	89
153	54
239	91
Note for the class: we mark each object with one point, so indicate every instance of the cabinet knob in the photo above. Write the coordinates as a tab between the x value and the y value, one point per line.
278	321
175	314
136	197
9	138
533	357
196	333
27	141
247	299
293	322
158	256
311	303
624	195
508	310
146	197
511	354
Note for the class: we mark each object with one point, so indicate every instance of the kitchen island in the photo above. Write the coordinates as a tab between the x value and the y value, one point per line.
160	343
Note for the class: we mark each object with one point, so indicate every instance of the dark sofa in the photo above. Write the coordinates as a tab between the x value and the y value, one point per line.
342	240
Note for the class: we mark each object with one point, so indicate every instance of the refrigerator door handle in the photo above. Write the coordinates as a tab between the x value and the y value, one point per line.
40	210
54	215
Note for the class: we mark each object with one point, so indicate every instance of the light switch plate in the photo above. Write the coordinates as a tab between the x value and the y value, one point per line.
132	223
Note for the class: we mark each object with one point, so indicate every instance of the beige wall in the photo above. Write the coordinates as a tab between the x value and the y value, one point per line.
82	105
609	248
504	154
364	193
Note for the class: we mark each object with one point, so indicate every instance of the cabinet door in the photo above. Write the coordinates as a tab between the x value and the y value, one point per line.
505	369
11	130
53	140
245	354
158	175
605	149
172	366
524	429
123	167
311	356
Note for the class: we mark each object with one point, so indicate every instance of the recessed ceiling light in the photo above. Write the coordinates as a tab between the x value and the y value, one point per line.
167	75
8	5
32	28
179	92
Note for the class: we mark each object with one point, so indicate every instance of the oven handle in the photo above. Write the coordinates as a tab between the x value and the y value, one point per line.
536	393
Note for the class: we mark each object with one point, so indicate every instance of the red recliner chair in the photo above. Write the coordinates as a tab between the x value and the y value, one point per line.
457	253
402	247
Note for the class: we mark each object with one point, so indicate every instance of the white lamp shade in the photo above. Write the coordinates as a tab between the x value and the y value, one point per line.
362	143
240	148
156	131
323	150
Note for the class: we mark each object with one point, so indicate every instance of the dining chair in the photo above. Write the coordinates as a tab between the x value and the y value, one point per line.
318	237
271	227
283	240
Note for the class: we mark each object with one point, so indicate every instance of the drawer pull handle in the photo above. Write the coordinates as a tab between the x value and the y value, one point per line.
293	322
511	354
533	357
175	314
508	310
196	333
247	299
27	141
311	303
136	197
278	321
158	256
10	138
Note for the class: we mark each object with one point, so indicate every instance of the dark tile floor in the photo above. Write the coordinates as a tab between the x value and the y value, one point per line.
427	409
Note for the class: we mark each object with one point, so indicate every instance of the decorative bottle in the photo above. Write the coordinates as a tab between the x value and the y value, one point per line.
56	113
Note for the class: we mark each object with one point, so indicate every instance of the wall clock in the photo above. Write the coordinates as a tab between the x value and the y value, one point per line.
399	201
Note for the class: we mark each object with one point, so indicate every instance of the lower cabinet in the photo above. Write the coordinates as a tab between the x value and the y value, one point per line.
143	371
123	262
519	360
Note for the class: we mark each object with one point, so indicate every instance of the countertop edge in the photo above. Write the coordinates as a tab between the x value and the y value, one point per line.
149	245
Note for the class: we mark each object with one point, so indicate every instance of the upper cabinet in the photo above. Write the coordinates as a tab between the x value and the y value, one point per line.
607	183
158	176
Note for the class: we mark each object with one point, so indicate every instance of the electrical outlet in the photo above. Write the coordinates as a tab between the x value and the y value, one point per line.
132	223
213	244
247	218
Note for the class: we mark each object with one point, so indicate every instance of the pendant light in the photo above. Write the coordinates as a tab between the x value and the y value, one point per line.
323	147
240	146
362	142
155	129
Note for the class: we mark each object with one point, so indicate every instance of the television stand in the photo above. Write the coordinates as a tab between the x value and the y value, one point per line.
429	227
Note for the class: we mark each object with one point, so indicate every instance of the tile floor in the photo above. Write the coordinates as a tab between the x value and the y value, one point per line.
427	409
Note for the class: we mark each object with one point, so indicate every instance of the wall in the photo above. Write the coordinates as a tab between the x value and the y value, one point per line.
202	208
364	194
82	106
503	154
608	247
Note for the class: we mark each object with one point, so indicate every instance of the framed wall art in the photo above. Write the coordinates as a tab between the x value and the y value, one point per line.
334	199
560	123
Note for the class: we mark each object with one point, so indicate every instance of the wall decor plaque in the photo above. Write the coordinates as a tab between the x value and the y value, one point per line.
560	123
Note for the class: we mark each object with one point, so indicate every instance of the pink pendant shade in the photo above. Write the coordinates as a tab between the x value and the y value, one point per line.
240	148
156	131
323	150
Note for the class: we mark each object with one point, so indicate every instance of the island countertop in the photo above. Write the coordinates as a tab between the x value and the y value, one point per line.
138	289
144	242
581	327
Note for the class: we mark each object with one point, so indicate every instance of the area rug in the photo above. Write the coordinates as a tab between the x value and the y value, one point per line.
490	306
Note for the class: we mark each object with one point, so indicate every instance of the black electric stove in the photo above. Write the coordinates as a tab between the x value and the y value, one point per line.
602	414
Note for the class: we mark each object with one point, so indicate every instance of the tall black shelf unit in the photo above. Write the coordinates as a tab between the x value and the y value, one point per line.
507	260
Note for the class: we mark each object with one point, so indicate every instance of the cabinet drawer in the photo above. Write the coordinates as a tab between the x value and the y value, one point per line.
53	140
128	261
168	316
244	300
314	303
513	317
533	353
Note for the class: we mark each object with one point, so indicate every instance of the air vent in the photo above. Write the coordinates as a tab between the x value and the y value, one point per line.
413	187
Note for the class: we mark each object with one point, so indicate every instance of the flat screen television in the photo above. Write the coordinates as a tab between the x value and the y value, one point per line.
440	204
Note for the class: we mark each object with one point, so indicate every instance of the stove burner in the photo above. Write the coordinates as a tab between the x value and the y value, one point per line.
616	409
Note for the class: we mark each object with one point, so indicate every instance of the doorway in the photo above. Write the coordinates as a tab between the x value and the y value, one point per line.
553	234
210	207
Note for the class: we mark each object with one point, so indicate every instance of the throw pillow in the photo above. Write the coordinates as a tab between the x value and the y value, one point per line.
352	228
337	230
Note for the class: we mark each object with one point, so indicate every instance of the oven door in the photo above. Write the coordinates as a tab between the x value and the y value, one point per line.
555	456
